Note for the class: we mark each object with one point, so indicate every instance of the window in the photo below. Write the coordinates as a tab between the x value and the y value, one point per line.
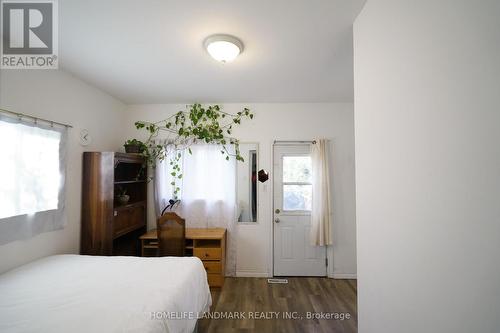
30	169
297	183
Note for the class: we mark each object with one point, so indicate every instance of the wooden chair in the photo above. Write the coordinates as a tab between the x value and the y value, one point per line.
171	229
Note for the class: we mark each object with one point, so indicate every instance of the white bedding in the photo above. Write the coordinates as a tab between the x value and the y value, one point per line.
72	293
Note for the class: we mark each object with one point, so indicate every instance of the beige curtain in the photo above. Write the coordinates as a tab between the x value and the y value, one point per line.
321	223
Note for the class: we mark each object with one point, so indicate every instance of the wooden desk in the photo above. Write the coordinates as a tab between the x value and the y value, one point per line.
207	244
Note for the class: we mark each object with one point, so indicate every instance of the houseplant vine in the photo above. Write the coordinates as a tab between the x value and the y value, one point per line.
197	124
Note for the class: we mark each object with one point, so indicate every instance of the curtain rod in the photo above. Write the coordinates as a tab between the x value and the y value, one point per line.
295	141
22	115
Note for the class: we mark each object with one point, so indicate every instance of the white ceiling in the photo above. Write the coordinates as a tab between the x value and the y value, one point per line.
150	51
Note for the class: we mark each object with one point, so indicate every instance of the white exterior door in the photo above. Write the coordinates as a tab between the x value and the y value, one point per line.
293	253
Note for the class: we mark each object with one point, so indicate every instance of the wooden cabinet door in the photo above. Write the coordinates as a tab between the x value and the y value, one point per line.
127	219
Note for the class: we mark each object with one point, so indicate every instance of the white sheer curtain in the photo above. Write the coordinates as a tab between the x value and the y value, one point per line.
32	185
208	193
321	224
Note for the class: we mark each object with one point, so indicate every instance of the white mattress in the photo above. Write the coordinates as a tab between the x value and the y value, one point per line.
72	293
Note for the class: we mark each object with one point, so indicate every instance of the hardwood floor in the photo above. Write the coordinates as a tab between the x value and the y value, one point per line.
253	299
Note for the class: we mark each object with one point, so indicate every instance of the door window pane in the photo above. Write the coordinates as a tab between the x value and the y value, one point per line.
297	197
297	169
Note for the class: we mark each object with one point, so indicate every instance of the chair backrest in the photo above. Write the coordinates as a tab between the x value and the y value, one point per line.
171	229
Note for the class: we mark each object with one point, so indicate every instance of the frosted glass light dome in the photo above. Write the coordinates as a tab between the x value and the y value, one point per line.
223	48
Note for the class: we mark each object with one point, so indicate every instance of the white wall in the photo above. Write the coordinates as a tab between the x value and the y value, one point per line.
58	96
427	128
287	122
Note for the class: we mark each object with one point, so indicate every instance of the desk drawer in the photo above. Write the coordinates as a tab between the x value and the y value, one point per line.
213	266
215	280
208	253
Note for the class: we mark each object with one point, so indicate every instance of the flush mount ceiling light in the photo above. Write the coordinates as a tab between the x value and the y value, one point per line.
223	48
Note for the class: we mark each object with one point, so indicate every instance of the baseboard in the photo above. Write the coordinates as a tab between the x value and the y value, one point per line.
344	276
251	274
340	276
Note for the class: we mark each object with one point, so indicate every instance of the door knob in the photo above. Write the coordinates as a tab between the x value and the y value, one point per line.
277	220
277	211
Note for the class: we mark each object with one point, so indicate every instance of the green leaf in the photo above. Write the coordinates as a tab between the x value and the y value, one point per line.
196	122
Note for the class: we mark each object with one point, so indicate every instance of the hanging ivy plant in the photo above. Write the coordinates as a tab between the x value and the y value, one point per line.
198	124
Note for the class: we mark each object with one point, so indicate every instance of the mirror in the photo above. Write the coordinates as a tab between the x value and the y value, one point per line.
247	182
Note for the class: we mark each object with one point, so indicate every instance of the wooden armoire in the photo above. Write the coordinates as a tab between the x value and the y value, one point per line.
108	226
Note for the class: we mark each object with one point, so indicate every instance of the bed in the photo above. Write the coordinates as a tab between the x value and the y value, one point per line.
73	293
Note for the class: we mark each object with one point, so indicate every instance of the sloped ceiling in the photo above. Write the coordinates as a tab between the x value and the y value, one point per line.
151	51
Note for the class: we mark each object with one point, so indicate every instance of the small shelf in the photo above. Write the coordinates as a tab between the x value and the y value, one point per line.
207	243
130	205
124	232
123	182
